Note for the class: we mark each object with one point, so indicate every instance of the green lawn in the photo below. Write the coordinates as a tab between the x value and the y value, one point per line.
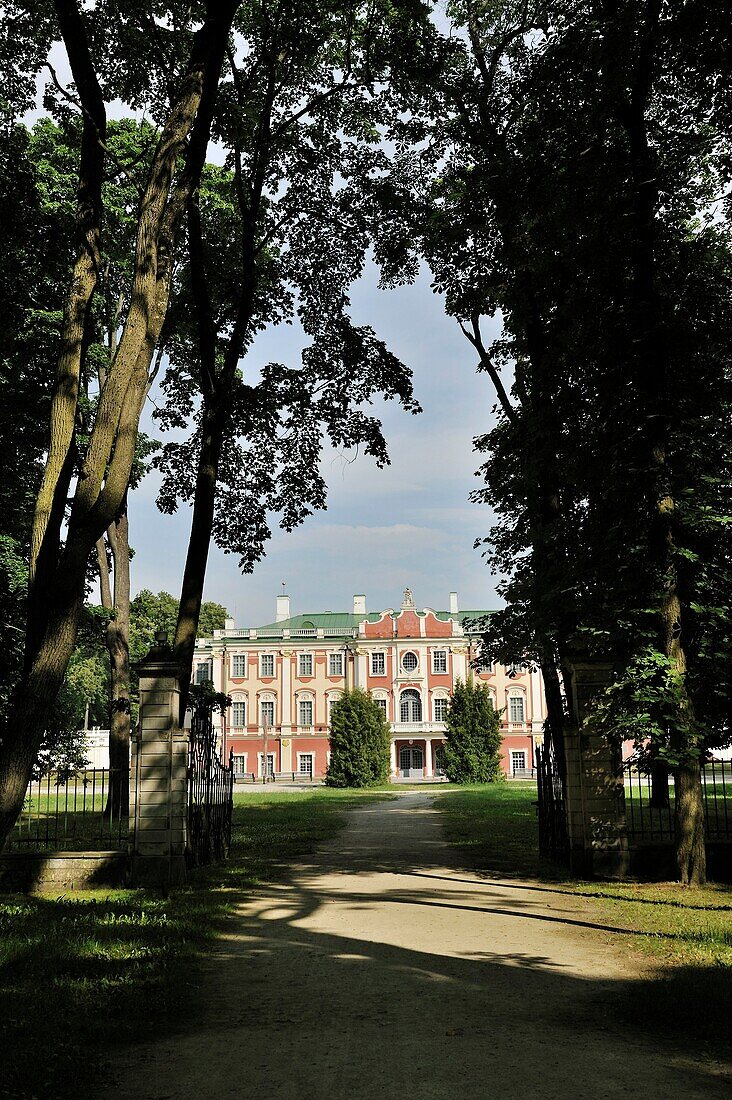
81	972
686	933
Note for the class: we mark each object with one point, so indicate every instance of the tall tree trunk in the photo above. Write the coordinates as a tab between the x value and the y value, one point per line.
118	646
57	577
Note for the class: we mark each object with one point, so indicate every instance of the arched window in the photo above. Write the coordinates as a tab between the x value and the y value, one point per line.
410	706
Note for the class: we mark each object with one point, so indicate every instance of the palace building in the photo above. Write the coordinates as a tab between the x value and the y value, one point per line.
284	677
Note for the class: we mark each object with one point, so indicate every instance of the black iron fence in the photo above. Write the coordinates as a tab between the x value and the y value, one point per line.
73	812
649	812
210	795
553	835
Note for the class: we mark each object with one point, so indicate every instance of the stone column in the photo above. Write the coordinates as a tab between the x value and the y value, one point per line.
393	758
595	796
428	757
158	793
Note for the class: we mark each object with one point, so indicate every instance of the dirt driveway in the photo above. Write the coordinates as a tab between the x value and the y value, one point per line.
382	970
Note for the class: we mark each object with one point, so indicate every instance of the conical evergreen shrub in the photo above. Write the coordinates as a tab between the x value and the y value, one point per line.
359	742
473	740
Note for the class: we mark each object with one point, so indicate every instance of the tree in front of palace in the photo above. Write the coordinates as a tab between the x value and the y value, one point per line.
359	742
473	739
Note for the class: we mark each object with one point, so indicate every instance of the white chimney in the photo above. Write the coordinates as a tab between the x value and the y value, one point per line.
283	608
453	603
359	605
229	624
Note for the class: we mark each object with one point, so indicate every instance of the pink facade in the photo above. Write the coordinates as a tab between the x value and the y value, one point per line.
283	678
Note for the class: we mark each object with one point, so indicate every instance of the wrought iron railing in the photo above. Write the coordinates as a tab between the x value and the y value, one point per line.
210	794
73	812
649	813
551	806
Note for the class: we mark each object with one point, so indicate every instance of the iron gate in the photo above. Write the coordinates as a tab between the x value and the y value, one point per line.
210	795
553	839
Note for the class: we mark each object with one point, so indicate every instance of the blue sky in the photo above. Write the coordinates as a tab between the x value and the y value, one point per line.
409	524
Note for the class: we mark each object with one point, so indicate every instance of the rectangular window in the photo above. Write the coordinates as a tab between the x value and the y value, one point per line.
518	761
439	661
382	703
240	764
266	713
270	763
238	715
516	708
335	664
204	672
239	665
305	664
266	664
440	710
378	664
305	763
305	712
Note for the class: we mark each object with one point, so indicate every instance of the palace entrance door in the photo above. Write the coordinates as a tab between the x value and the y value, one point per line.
411	762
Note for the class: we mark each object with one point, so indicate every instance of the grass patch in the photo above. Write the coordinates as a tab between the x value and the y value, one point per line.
687	933
84	972
495	826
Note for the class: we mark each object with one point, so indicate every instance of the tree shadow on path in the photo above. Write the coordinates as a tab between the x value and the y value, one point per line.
357	976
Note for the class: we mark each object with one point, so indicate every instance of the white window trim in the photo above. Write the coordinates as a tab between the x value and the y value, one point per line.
300	673
378	653
446	670
239	657
312	758
407	691
442	698
410	671
260	762
306	699
522	767
267	675
516	694
239	703
269	699
242	756
335	654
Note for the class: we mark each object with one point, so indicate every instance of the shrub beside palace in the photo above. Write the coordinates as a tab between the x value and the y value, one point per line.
284	677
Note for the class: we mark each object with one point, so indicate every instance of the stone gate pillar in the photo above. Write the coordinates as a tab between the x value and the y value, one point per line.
158	795
595	797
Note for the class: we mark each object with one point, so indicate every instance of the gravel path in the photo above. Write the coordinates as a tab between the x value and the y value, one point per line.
380	969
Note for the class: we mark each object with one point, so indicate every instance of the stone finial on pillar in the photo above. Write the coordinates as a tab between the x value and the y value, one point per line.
158	795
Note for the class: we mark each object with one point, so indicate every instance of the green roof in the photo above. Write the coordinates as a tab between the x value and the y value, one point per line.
335	623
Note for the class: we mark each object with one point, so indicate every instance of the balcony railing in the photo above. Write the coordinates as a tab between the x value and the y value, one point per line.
418	727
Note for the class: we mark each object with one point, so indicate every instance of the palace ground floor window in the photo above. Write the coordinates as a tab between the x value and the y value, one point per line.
518	761
240	763
439	761
270	764
305	763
